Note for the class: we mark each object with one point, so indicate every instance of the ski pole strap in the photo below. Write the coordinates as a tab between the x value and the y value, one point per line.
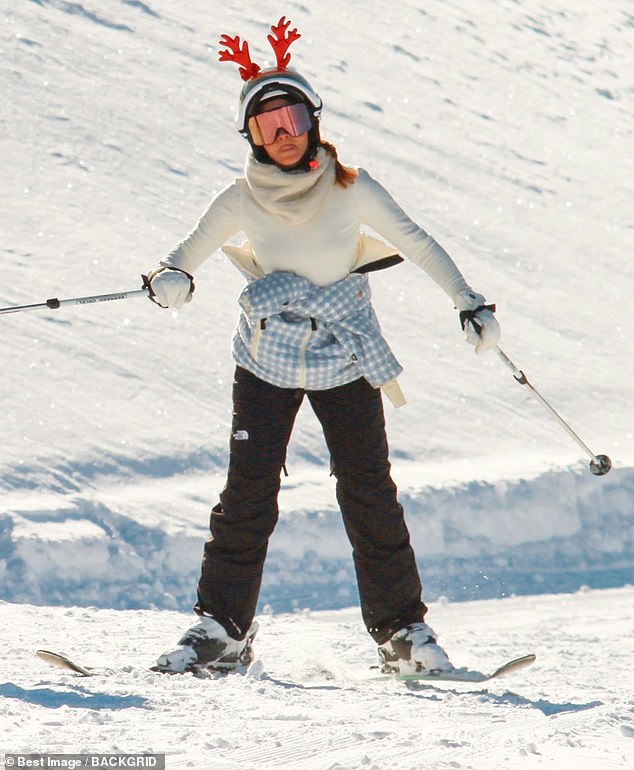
147	284
467	316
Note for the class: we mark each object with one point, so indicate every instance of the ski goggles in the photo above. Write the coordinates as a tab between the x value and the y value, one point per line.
293	119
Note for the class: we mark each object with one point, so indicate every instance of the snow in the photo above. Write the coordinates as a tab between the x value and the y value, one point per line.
317	707
505	129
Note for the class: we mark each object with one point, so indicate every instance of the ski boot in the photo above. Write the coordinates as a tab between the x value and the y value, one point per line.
208	646
413	650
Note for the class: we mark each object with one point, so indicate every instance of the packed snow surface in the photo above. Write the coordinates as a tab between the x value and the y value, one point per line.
505	129
308	701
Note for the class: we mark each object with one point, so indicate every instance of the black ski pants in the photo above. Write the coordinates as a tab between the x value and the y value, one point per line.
353	423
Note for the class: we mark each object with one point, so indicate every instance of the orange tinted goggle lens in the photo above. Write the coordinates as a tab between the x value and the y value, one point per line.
293	119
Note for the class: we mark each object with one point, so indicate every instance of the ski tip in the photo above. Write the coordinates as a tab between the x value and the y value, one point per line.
50	657
515	664
61	661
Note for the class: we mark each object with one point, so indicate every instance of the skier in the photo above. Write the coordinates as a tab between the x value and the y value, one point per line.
307	329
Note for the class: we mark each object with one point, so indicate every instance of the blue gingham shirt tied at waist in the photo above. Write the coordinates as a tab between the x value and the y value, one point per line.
295	334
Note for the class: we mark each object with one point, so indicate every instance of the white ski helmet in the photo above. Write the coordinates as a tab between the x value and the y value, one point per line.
272	83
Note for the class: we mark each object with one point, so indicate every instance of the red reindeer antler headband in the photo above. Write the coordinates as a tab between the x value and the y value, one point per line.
281	40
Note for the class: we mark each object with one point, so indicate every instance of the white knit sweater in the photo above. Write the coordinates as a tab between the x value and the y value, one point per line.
302	222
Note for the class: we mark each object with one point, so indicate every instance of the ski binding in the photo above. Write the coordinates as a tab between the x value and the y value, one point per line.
460	674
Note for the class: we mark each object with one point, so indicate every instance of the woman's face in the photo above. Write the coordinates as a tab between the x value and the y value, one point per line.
286	150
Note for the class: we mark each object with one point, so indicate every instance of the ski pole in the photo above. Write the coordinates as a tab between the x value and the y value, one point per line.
54	303
599	464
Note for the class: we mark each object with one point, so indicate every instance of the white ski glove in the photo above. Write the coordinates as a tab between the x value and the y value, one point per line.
477	320
169	287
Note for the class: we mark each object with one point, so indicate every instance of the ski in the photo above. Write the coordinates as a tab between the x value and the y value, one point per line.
460	674
61	661
455	675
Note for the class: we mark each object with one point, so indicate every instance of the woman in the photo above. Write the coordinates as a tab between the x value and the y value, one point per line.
307	329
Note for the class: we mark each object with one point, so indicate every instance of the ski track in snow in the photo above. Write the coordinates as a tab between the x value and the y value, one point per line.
308	702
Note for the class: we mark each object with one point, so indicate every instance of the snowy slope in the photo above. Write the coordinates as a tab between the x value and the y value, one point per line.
505	129
515	153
